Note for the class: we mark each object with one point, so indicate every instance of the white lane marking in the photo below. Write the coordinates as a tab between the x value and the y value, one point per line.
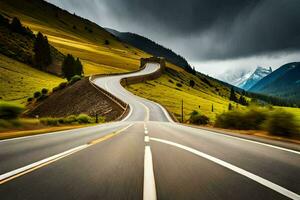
51	158
147	139
248	140
238	170
35	164
146	132
149	182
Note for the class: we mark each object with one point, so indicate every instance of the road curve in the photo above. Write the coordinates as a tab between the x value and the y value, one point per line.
146	156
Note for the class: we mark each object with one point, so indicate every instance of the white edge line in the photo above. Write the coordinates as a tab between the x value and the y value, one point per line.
247	140
35	164
59	155
147	139
236	169
149	192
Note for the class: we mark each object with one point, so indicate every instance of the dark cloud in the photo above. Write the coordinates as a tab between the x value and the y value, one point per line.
203	29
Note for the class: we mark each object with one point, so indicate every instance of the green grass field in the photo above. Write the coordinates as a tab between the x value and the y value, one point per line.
171	96
20	81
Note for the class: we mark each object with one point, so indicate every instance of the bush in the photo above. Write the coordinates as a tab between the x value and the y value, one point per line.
197	118
251	119
178	84
74	79
106	42
50	121
42	97
281	123
171	81
37	94
62	85
84	119
55	89
9	110
44	91
70	119
30	99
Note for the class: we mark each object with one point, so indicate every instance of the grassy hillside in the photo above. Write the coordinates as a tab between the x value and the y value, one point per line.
72	34
167	91
19	81
152	47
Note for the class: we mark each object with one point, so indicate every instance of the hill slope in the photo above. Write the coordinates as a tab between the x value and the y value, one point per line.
153	48
19	81
283	82
100	51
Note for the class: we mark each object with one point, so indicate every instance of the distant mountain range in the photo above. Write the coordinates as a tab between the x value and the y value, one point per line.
256	76
283	82
151	47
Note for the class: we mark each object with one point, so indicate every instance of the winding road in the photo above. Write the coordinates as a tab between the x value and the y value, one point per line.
146	156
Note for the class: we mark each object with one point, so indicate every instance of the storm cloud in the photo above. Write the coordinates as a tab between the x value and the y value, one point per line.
202	29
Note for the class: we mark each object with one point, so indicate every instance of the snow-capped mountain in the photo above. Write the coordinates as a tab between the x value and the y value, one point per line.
256	76
235	77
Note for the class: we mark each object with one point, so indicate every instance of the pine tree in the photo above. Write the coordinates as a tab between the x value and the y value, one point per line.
42	56
232	96
68	67
78	67
229	106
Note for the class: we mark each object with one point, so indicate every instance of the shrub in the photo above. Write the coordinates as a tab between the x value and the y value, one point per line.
42	97
84	119
30	99
251	119
281	123
192	83
55	89
197	118
9	110
171	81
49	121
178	84
44	91
70	119
62	85
106	42
37	94
74	79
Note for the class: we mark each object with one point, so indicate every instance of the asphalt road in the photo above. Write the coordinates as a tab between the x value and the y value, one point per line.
146	156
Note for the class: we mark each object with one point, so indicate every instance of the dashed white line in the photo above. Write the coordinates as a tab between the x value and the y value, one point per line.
149	192
147	139
236	169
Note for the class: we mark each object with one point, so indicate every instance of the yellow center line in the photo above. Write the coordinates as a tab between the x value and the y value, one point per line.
42	164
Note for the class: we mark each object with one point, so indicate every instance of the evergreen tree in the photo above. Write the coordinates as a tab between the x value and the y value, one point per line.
78	67
68	67
243	101
71	67
229	106
42	56
192	83
232	96
16	26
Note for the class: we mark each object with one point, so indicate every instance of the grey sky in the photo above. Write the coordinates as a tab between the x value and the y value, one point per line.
236	32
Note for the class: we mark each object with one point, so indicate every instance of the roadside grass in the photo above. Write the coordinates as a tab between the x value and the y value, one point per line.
294	111
169	95
19	81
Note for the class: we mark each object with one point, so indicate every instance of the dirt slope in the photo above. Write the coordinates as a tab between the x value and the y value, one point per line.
81	97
